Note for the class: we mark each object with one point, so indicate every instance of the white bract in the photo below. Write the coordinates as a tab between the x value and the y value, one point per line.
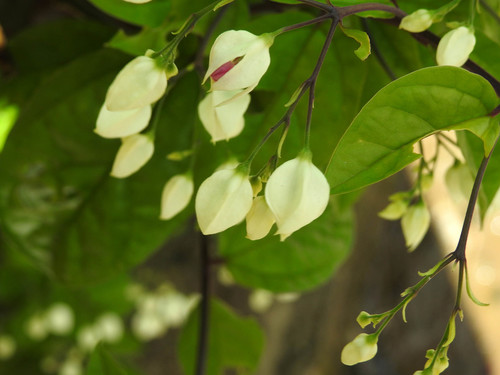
297	193
176	195
259	219
418	21
361	349
224	121
223	200
140	83
238	60
122	123
109	327
134	152
456	46
60	319
415	223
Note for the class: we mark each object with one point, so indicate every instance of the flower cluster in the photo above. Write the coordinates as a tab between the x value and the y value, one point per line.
296	193
127	110
238	60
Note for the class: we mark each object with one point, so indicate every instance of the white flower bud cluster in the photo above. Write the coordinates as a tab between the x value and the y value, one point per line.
107	328
238	60
158	311
296	193
58	319
127	111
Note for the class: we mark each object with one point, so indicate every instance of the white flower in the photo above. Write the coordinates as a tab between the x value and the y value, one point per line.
361	349
140	83
137	1
134	152
109	327
297	193
238	60
60	319
455	46
36	327
7	347
259	219
223	200
415	223
224	121
122	123
417	22
176	195
87	338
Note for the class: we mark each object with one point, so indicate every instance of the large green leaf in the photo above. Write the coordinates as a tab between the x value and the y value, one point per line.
379	142
303	261
58	203
233	341
150	14
102	363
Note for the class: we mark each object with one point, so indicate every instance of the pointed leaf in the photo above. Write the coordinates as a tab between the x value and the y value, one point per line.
379	142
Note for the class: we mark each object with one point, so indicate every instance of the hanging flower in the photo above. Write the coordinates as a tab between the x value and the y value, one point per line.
456	46
417	21
238	60
122	123
297	193
223	200
134	152
140	83
176	195
225	121
259	219
415	224
361	349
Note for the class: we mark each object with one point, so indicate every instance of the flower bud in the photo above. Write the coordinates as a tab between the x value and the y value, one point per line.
361	349
134	152
109	327
459	181
455	46
176	195
223	200
417	22
121	124
60	319
224	121
140	83
238	60
415	223
7	347
260	219
297	193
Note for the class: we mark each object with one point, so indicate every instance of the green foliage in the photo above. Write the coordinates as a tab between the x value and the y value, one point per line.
149	14
409	109
233	341
102	363
304	260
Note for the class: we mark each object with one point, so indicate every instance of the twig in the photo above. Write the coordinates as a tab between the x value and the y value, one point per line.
376	51
201	358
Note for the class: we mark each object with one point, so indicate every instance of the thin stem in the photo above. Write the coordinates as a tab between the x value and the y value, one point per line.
490	10
201	358
462	242
304	24
376	51
315	74
317	4
460	285
358	8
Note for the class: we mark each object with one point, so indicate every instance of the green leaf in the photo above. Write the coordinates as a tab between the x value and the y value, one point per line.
363	39
303	261
65	39
486	53
139	43
102	363
58	203
151	14
379	141
233	341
